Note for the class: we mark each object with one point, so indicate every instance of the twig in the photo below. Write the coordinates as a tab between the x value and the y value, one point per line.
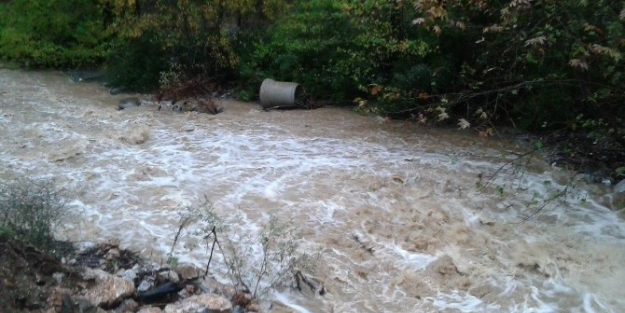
185	220
215	242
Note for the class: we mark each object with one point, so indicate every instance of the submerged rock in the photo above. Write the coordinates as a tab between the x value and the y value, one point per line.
129	102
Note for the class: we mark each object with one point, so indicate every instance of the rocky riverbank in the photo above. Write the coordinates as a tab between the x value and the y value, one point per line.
99	278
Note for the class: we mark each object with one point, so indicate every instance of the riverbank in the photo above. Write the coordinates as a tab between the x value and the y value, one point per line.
105	278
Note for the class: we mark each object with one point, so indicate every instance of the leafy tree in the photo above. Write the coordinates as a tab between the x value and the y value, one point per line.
192	37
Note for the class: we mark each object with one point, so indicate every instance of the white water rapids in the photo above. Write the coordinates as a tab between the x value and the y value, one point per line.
406	192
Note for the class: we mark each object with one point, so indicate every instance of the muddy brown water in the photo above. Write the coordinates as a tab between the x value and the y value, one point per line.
352	185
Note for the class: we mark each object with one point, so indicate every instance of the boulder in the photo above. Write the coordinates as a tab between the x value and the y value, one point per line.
108	290
204	303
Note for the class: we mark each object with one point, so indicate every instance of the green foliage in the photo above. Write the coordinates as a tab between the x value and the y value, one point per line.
195	37
52	33
32	209
6	231
538	65
306	46
350	46
130	67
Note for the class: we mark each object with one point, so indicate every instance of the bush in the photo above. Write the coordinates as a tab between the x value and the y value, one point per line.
196	37
130	67
256	263
52	33
32	209
305	46
537	64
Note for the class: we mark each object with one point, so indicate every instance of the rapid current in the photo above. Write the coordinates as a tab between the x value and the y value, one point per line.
393	206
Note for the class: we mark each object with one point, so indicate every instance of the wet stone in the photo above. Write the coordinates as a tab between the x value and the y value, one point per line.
145	285
109	289
172	276
129	275
204	303
188	271
129	305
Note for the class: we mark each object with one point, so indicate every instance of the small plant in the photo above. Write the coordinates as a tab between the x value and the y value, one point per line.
32	209
256	263
277	245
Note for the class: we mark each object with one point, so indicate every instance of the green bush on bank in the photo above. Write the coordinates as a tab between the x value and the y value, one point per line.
52	33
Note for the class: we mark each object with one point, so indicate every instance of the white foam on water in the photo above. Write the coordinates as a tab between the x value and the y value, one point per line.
397	214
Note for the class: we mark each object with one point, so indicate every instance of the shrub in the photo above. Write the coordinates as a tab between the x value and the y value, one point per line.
256	263
52	33
195	36
538	64
130	67
32	209
306	45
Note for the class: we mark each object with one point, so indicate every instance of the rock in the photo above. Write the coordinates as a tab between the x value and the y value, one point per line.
188	271
59	277
129	103
204	303
145	285
238	309
150	309
129	305
112	243
57	298
187	292
443	266
113	254
84	306
109	289
130	276
82	247
614	201
172	276
487	222
188	128
211	285
68	305
620	187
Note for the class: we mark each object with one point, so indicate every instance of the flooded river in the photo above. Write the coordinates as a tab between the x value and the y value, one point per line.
393	207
